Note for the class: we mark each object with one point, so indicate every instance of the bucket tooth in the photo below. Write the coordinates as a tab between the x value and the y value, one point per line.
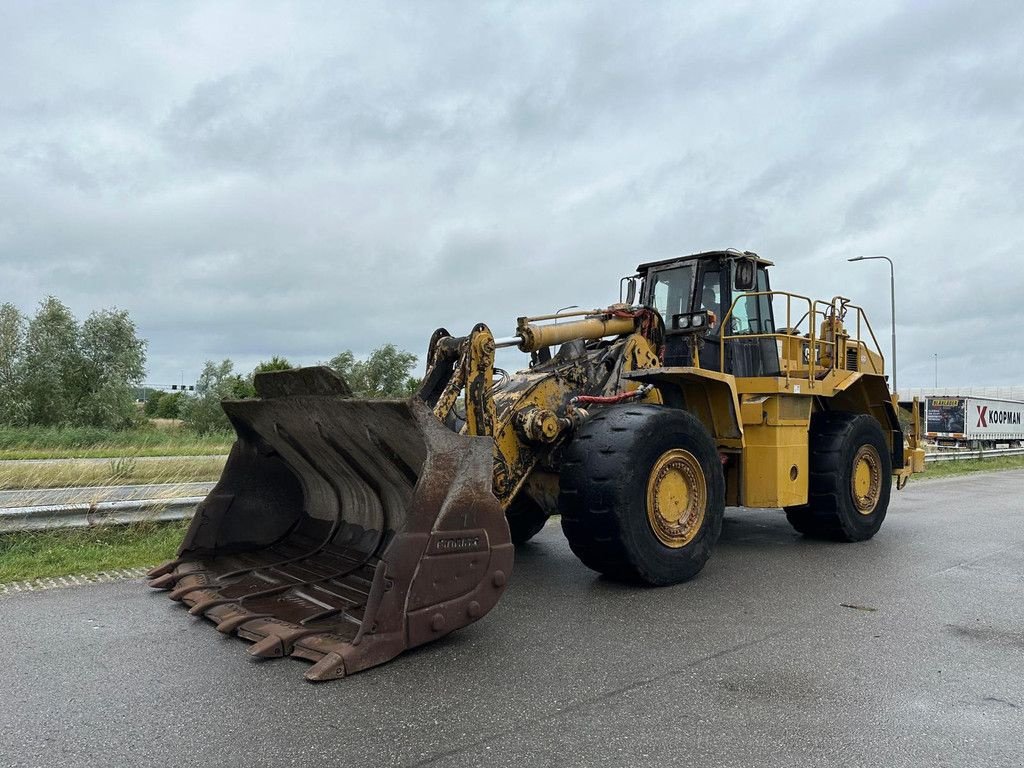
270	647
330	667
179	593
164	581
229	625
203	606
279	642
162	570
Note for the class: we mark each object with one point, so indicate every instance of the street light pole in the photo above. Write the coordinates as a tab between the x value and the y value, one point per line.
936	370
892	301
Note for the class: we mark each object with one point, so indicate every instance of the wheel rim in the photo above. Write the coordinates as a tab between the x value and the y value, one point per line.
677	497
866	480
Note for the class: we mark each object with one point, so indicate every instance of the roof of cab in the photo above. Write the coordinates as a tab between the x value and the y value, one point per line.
729	254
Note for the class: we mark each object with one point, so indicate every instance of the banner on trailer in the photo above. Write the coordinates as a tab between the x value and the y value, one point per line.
945	416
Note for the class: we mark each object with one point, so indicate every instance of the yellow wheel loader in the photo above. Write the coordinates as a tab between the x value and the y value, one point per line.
345	531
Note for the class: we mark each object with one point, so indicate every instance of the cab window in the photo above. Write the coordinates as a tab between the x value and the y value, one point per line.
670	292
753	314
765	302
710	296
744	318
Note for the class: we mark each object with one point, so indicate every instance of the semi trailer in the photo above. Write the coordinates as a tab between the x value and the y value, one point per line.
975	422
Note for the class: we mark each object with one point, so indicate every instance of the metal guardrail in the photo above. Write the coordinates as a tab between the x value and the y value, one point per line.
41	518
969	455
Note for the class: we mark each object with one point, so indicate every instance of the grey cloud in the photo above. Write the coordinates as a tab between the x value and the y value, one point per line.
916	39
298	180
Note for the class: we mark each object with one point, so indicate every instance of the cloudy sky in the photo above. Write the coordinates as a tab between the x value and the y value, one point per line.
250	179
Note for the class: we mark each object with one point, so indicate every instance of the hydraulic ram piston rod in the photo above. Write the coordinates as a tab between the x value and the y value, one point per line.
533	337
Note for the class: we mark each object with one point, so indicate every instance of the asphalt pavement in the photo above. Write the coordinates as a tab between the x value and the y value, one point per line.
907	650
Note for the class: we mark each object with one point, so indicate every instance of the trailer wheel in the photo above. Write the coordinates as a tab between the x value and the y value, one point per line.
850	479
642	494
525	518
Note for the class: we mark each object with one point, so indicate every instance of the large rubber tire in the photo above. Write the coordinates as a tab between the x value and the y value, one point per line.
604	487
525	518
832	512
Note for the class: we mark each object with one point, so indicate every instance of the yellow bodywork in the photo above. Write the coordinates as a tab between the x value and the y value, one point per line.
775	454
760	424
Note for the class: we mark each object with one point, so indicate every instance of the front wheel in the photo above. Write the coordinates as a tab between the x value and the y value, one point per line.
642	494
525	518
850	479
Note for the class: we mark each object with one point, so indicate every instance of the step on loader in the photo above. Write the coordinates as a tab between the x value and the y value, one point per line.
345	530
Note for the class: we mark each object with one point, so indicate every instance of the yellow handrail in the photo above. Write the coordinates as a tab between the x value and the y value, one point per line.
815	346
878	347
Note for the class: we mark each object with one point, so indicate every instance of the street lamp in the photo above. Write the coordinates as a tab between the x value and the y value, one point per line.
892	299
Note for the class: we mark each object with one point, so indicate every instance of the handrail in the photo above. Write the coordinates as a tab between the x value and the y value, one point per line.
789	298
861	314
816	346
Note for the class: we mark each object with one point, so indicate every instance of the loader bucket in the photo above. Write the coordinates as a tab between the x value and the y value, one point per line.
342	531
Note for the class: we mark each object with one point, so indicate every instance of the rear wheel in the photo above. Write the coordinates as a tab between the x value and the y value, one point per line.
642	494
850	479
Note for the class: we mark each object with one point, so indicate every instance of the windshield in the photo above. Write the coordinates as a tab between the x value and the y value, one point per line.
670	292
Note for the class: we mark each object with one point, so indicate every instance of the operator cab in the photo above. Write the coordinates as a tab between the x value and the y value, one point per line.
711	281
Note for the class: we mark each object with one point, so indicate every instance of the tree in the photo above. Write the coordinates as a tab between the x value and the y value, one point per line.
52	366
241	387
385	373
112	364
217	382
13	408
54	371
345	363
273	364
152	402
170	405
246	387
164	405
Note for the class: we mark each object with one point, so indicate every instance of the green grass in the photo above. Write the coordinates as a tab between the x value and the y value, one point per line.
27	556
934	470
87	442
16	475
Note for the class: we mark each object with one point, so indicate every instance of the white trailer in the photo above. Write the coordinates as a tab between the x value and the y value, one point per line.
975	422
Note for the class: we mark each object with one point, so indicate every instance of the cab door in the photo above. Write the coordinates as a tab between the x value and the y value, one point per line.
670	292
751	348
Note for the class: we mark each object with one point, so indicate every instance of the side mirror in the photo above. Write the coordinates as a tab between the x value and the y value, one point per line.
629	296
746	275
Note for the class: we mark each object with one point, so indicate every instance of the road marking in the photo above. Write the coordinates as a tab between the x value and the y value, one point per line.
81	580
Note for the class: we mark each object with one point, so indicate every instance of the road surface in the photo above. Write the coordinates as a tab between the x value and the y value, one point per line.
907	650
